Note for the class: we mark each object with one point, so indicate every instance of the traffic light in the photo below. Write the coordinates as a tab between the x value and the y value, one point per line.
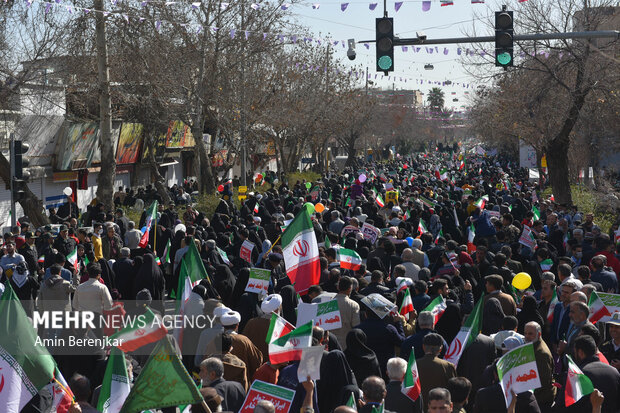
504	38
20	176
385	44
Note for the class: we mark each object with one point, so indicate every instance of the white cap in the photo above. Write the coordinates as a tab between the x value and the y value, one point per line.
220	311
230	318
407	280
271	303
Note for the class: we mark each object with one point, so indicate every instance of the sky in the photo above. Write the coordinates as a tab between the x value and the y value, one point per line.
358	22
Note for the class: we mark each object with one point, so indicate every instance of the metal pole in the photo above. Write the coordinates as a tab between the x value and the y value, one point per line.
242	132
12	178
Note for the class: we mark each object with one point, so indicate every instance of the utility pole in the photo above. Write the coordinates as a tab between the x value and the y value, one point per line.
12	176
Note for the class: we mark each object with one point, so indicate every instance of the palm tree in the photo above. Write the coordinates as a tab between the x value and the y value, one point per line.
435	100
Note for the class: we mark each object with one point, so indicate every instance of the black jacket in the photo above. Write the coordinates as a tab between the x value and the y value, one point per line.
231	392
604	378
491	400
396	401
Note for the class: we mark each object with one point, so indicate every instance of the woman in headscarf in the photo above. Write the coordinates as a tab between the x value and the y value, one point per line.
265	249
150	277
224	283
492	316
242	281
361	358
449	324
336	374
289	304
529	312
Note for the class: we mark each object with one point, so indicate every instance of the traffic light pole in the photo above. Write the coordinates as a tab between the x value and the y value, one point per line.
12	178
486	39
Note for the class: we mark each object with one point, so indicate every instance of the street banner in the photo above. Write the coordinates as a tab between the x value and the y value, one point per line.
517	371
325	315
281	397
258	281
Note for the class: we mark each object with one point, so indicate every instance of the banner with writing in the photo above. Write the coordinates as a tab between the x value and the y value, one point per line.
281	397
258	281
517	371
325	315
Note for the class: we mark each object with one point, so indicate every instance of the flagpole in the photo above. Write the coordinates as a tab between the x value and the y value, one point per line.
273	245
205	406
155	235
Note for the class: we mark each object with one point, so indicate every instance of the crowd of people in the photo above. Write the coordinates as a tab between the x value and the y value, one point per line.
450	225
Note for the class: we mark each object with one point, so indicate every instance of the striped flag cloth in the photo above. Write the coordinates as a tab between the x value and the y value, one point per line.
577	383
411	386
407	305
285	341
349	259
437	307
141	332
598	309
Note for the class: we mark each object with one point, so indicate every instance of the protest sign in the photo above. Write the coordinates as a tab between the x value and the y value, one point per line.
310	363
281	397
246	251
258	281
325	315
380	305
371	233
517	371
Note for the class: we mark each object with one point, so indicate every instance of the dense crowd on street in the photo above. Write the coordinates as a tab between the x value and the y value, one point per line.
458	227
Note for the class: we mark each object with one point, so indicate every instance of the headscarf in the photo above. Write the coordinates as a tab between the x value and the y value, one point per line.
151	277
289	303
449	324
224	282
361	358
492	316
242	281
528	313
335	375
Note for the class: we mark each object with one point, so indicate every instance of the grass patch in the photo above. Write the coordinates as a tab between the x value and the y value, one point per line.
587	201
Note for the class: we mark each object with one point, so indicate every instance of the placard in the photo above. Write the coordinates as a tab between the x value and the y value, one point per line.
517	371
258	281
325	315
281	397
370	232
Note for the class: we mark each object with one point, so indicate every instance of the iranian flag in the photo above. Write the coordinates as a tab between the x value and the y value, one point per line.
285	341
223	255
144	329
422	227
256	206
443	174
598	309
546	264
467	334
72	258
462	165
167	252
436	307
536	213
349	259
25	368
407	305
63	396
481	203
115	387
471	234
301	253
407	215
41	259
411	383
351	402
151	215
577	384
191	273
552	304
378	198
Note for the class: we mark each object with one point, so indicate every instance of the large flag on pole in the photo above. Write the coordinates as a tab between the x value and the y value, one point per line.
115	387
466	335
151	215
174	386
577	383
411	386
142	331
437	307
301	253
192	271
25	367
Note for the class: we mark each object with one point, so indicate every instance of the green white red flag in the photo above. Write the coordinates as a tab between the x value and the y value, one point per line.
471	234
536	213
422	227
552	304
285	341
115	387
378	198
481	203
143	330
349	259
72	258
151	215
301	253
437	307
411	386
406	306
466	335
598	309
577	384
25	367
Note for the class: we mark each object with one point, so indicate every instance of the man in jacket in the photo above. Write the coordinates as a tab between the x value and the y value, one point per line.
111	244
434	372
349	311
395	399
493	285
544	363
231	392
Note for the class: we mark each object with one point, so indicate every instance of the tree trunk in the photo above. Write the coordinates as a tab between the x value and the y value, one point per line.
162	190
105	179
351	149
32	206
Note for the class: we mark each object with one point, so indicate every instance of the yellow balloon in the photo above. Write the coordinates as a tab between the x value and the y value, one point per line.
319	207
522	281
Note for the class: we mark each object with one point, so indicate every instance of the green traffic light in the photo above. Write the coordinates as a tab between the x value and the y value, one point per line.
385	62
504	58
